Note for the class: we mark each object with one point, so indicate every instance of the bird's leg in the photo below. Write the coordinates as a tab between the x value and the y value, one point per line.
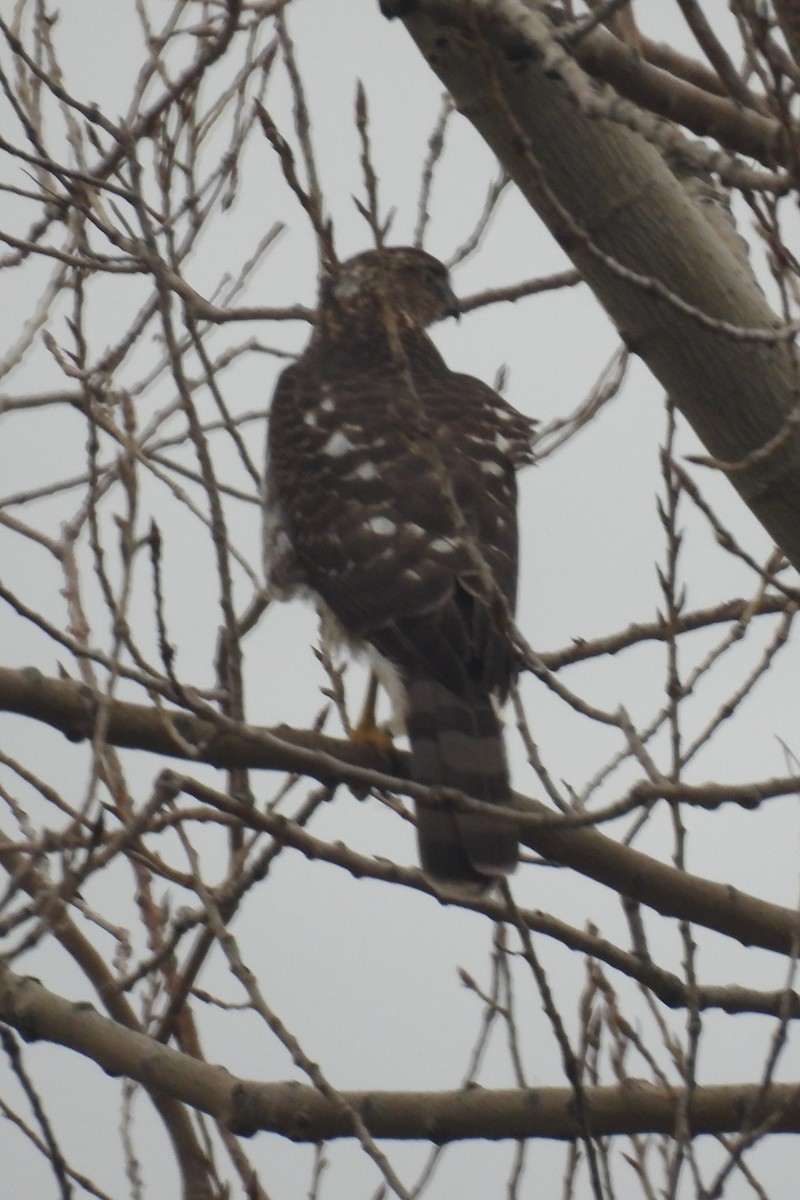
367	728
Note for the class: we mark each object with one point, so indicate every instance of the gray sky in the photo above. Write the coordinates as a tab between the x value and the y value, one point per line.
365	978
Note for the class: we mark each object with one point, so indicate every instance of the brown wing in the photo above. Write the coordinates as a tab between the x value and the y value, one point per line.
368	523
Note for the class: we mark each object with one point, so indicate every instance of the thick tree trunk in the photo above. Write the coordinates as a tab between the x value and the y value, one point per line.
679	294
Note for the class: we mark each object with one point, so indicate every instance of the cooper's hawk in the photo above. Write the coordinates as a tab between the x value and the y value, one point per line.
391	501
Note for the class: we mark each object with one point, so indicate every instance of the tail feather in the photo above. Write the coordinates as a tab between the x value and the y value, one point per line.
457	742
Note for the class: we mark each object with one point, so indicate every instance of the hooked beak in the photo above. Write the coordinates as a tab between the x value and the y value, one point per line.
452	308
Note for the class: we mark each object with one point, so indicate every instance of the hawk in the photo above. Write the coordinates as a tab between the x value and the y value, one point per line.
391	502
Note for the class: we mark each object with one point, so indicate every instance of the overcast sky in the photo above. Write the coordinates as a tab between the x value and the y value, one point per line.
366	978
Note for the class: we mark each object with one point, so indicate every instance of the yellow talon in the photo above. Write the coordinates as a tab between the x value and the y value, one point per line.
368	730
374	735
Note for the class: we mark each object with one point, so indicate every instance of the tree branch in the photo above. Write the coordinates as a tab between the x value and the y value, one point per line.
676	292
302	1114
70	707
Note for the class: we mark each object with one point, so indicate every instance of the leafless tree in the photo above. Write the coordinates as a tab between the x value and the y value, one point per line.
179	891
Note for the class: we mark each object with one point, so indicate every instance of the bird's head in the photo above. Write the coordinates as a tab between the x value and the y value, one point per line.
408	283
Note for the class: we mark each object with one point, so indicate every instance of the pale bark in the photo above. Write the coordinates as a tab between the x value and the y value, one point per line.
303	1114
676	292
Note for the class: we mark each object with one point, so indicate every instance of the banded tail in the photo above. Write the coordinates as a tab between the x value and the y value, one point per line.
457	742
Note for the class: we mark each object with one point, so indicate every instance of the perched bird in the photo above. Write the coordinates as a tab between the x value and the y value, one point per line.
391	502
